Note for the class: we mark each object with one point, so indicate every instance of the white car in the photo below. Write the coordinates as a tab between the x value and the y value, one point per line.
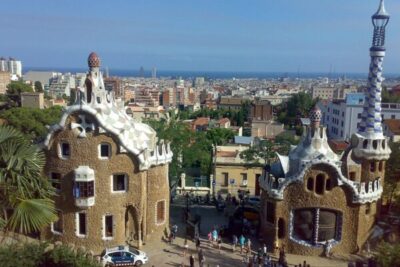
122	256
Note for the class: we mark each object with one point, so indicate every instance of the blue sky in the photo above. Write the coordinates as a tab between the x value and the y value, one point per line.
206	35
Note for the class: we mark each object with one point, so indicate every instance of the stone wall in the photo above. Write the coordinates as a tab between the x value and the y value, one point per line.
142	188
356	224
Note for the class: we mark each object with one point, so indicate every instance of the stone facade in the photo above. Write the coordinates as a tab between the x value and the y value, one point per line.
316	202
108	191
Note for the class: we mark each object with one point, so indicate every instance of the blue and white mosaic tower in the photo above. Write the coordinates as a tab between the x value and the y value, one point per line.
369	140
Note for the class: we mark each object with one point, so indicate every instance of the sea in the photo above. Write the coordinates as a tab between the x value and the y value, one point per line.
218	74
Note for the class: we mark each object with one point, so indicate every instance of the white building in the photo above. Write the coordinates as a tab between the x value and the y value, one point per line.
62	85
342	117
15	67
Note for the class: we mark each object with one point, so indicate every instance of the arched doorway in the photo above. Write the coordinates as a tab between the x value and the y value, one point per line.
131	225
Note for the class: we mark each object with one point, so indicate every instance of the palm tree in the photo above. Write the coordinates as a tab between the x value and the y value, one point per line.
25	195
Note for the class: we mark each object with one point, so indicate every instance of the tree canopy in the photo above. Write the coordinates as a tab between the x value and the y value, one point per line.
296	107
191	149
32	121
38	87
14	90
392	174
388	255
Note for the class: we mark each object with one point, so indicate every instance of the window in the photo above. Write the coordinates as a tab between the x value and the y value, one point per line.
352	176
244	179
380	166
81	224
57	227
281	228
270	212
104	150
160	212
310	183
328	184
226	178
365	143
316	226
393	117
359	115
375	144
120	183
372	166
108	226
84	189
56	180
65	150
319	184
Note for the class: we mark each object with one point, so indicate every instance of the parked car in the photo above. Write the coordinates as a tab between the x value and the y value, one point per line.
123	255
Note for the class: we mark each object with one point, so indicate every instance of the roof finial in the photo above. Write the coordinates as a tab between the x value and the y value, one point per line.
381	12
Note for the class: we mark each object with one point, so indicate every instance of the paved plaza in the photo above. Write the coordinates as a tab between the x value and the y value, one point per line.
163	254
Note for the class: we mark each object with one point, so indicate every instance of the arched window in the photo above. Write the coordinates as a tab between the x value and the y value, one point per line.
316	226
372	166
310	183
380	166
320	184
328	184
281	228
88	84
365	143
375	144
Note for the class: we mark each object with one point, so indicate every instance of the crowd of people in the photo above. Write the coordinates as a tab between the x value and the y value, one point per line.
242	245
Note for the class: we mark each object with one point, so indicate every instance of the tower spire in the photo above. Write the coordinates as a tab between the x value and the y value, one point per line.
370	143
371	119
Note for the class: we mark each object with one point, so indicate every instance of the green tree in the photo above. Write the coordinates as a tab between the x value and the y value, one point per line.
14	90
43	255
264	150
388	255
392	174
388	97
32	121
219	136
22	187
38	87
172	129
296	107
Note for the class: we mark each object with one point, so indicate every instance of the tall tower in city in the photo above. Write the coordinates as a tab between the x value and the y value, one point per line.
141	72
369	143
154	72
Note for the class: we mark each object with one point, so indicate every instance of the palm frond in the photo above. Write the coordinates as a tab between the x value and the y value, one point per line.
32	215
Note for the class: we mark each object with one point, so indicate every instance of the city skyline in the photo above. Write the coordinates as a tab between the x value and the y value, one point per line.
190	36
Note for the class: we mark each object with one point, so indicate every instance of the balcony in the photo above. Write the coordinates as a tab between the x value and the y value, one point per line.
83	191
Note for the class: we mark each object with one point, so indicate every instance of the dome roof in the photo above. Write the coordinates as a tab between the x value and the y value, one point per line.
93	60
315	114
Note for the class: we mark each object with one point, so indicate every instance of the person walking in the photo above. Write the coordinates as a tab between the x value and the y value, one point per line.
219	243
215	234
197	243
191	261
234	243
265	250
202	258
209	236
185	247
242	240
249	245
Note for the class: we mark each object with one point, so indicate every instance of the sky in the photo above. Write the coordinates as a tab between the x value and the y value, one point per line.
194	35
